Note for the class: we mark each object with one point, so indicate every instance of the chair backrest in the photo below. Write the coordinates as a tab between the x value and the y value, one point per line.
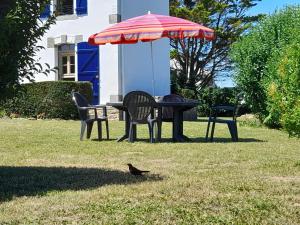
80	101
167	112
139	105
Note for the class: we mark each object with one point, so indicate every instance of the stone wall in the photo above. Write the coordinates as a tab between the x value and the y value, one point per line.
112	113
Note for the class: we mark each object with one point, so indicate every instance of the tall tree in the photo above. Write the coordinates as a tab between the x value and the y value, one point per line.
21	28
197	62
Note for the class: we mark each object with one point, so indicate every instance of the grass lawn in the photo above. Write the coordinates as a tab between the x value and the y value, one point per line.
47	176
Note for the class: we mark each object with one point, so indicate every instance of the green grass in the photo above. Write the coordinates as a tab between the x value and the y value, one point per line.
47	176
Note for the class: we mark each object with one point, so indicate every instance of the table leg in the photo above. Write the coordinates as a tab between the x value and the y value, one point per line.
178	126
127	123
159	124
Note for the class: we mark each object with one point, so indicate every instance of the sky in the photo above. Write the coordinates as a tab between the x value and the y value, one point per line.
266	7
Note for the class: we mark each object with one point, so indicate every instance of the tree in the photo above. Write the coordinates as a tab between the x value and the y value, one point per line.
197	61
21	28
267	67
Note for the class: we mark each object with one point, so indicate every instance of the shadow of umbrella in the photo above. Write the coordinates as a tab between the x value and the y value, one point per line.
31	181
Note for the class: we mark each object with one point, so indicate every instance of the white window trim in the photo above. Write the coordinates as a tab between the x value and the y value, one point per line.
68	75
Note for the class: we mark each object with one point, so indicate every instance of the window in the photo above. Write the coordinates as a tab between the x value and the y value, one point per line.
66	62
64	7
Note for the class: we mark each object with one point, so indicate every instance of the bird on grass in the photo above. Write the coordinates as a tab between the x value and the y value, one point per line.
136	171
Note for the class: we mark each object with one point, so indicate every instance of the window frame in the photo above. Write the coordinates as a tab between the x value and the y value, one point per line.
69	54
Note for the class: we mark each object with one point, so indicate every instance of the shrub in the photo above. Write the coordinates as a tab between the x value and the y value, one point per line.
267	69
283	89
51	99
187	93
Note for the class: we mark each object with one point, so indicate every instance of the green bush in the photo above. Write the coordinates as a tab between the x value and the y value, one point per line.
283	89
267	69
51	99
187	93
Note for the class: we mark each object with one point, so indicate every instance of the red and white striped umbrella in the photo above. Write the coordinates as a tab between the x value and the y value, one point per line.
150	27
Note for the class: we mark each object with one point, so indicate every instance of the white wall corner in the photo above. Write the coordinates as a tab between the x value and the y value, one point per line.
50	43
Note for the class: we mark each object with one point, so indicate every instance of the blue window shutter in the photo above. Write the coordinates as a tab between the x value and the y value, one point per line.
81	7
88	66
46	12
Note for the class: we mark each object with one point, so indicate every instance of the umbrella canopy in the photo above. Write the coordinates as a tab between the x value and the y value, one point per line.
150	27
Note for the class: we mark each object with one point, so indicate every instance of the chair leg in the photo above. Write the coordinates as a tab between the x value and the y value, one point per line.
83	126
158	131
107	129
212	131
236	132
150	127
131	138
89	129
154	131
99	130
230	128
207	130
134	131
233	131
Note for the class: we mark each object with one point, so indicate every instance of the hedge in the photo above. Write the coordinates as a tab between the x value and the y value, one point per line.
50	99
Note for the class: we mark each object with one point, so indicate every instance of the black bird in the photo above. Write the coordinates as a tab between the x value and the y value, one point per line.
136	171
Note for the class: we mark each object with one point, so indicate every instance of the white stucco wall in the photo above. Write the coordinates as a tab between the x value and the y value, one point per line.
133	67
136	59
85	25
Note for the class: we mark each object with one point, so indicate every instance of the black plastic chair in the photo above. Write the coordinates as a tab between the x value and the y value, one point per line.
87	118
167	114
140	106
231	123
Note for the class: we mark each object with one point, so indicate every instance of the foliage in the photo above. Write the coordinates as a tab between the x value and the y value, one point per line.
198	61
283	89
187	93
50	99
21	29
267	69
216	96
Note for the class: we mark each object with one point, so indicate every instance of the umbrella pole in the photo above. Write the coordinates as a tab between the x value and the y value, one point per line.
152	65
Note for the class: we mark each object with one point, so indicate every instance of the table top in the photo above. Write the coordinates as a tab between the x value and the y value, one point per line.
178	106
190	103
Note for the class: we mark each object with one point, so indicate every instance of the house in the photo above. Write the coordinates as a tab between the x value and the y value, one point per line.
114	70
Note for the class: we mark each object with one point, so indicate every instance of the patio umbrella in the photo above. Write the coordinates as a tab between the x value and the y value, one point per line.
148	28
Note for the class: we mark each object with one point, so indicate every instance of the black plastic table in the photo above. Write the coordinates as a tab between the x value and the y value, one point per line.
178	109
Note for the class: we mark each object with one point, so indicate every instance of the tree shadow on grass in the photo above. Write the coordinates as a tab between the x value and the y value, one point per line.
32	181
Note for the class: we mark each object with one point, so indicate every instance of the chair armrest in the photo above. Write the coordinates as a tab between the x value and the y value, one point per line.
86	107
95	107
223	107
